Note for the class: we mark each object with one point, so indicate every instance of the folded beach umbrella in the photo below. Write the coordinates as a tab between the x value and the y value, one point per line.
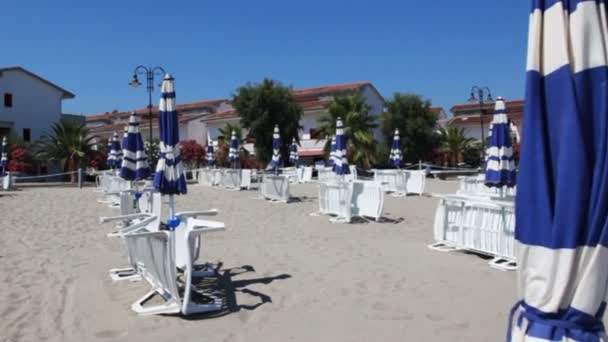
275	162
293	152
340	161
500	165
233	151
115	155
134	160
4	156
396	157
332	152
210	152
169	178
562	197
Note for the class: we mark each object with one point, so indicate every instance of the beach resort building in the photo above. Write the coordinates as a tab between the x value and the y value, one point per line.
29	104
205	118
469	116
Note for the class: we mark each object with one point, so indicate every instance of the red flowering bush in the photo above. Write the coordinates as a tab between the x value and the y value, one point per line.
97	160
192	153
20	159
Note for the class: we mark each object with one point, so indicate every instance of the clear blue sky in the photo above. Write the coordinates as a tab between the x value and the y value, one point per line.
438	49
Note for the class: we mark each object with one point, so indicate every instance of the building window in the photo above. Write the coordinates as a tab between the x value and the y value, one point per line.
314	134
27	134
8	100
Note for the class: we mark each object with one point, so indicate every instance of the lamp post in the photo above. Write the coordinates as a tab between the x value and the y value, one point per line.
481	95
149	72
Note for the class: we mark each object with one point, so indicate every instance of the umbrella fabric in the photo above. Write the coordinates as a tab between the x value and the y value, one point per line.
169	178
134	160
275	162
233	151
4	155
210	152
500	165
396	157
293	152
341	163
115	156
332	152
562	198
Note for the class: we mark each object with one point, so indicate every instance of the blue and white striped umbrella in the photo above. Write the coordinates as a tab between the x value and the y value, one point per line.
233	151
340	161
169	178
293	152
134	160
210	151
332	152
396	157
275	162
562	197
4	156
500	165
115	156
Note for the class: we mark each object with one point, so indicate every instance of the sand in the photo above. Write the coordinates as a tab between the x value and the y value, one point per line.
296	277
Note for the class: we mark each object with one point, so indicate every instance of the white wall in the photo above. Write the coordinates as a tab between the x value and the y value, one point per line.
36	105
377	107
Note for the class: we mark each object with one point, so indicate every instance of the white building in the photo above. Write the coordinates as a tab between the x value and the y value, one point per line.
203	118
29	104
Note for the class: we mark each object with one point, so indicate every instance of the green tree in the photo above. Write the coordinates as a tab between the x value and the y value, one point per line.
226	132
358	128
454	142
262	106
412	115
69	142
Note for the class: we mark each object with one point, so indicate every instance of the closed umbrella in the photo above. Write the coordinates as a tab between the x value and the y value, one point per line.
332	152
134	160
115	156
4	156
233	151
500	165
275	162
562	197
396	157
293	152
340	160
210	152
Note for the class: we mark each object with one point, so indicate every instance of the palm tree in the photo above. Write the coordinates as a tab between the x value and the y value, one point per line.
454	141
358	128
69	142
226	131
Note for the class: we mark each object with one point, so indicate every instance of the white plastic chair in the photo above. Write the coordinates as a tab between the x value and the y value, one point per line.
156	263
275	188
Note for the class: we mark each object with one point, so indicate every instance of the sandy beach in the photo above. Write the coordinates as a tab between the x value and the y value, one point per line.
295	277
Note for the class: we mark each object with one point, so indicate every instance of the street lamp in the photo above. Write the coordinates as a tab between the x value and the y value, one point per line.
481	95
149	72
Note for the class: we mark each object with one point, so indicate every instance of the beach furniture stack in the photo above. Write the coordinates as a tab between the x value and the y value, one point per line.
341	195
480	217
166	258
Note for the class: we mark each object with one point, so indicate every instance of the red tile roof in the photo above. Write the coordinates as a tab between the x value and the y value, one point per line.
144	111
475	120
330	88
489	105
228	114
310	153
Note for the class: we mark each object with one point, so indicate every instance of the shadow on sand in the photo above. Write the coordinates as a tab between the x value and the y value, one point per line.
227	288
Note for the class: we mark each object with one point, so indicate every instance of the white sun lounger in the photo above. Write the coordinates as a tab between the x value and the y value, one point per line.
156	263
275	188
483	226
